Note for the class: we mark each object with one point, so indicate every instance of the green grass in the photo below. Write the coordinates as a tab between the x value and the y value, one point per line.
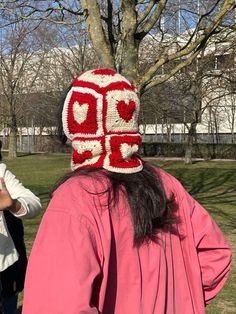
212	183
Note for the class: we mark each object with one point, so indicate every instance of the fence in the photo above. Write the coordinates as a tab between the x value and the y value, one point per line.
202	149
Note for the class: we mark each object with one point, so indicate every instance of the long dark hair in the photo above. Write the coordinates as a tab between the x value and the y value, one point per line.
151	210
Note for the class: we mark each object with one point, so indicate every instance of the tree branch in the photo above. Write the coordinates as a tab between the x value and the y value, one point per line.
63	7
146	11
96	32
166	77
110	24
152	19
46	13
198	44
197	28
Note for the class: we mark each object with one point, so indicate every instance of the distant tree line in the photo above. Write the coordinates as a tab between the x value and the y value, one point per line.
161	46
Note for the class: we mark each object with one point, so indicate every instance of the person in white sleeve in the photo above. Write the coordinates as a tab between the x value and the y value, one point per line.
16	202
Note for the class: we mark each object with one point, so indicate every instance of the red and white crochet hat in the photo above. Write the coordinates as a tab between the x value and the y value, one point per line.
100	117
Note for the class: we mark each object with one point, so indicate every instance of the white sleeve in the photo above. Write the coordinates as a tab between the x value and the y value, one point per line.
17	191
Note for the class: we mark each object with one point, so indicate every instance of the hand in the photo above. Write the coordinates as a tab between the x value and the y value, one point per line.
6	202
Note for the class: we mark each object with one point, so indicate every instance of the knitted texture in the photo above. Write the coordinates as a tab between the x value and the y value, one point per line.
100	117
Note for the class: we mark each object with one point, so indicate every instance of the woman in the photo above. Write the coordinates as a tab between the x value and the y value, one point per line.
120	236
16	202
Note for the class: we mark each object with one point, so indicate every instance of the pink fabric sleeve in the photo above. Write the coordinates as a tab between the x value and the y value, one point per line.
213	250
63	267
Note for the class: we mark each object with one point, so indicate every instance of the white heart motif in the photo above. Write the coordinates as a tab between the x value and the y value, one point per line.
80	112
128	150
94	146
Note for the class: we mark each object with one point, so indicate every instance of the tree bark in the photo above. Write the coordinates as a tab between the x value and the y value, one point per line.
189	145
97	32
12	153
129	46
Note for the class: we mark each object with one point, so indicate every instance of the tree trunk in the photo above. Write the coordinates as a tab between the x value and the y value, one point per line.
128	53
20	140
96	32
29	146
188	154
12	144
189	145
12	153
232	127
232	137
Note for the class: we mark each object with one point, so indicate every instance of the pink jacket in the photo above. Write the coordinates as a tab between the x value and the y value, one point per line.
83	260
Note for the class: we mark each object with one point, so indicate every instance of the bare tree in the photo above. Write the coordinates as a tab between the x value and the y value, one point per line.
147	41
221	108
65	57
70	53
117	29
231	116
203	92
18	74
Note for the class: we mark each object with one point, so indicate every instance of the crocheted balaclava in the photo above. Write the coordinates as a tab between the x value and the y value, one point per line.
100	118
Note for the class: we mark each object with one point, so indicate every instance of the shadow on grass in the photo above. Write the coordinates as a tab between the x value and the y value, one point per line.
19	310
215	189
28	154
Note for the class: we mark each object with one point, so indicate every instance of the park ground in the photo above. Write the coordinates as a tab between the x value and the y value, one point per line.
212	183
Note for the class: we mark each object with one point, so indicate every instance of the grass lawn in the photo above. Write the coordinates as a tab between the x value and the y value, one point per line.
212	183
